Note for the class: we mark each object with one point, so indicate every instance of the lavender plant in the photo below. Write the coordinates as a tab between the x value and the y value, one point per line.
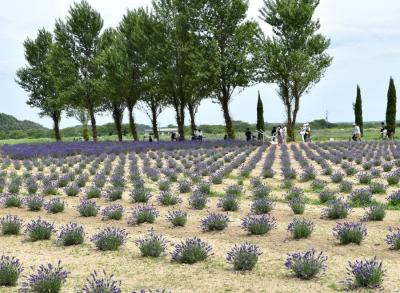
214	222
39	230
143	214
262	191
191	250
178	218
166	198
300	228
350	232
72	189
47	278
228	203
11	200
198	200
113	193
109	238
306	265
262	206
54	205
152	245
71	234
326	195
361	197
393	238
112	212
394	199
337	177
34	202
10	225
375	212
345	186
140	195
336	209
87	208
101	284
244	257
365	274
258	224
297	205
10	270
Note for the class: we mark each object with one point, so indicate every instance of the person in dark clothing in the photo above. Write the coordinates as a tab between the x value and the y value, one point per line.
248	134
273	133
173	136
225	137
150	138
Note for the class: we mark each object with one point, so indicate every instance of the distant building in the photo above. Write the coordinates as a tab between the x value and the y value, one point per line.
162	131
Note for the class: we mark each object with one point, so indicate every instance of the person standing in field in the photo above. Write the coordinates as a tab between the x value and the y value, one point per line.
248	134
279	134
384	131
307	133
273	134
356	132
200	135
303	132
284	134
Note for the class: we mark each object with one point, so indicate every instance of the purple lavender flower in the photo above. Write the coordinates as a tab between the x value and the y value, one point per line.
394	198
336	209
375	212
11	200
262	206
10	270
178	218
198	200
300	228
258	225
113	193
109	238
350	232
337	177
152	245
244	257
72	189
10	225
95	284
365	273
306	265
87	208
39	230
48	278
143	214
393	238
361	197
166	198
112	212
191	250
184	186
54	205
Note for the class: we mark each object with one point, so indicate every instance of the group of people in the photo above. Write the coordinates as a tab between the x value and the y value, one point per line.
305	132
278	134
197	135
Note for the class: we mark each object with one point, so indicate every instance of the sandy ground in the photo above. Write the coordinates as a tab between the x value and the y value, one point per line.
215	274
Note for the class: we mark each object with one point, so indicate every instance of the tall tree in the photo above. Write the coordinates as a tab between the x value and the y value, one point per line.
295	57
232	41
79	35
260	114
181	58
358	111
116	80
37	79
391	109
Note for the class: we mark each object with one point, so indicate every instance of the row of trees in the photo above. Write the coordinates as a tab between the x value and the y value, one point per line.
174	55
390	109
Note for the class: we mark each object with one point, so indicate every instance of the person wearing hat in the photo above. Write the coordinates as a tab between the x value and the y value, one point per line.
307	135
303	132
356	132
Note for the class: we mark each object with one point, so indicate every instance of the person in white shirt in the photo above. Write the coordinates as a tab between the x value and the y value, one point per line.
356	132
303	132
200	135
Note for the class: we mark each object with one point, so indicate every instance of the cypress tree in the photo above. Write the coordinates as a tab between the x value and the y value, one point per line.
391	109
260	114
358	110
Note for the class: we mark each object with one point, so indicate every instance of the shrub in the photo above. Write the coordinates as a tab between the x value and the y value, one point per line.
87	208
336	209
214	222
101	284
228	203
234	190
361	197
34	202
140	195
166	198
297	205
318	185
244	257
289	173
112	212
178	218
375	212
10	225
367	166
113	193
152	245
262	206
10	270
393	178
258	225
326	195
191	251
109	238
327	171
308	174
48	278
50	188
294	192
39	230
350	170
337	177
204	187
262	191
306	265
345	186
71	234
143	214
393	238
387	167
93	192
184	186
350	232
11	201
364	178
72	189
365	273
54	206
394	199
268	173
377	188
164	185
198	200
287	184
300	228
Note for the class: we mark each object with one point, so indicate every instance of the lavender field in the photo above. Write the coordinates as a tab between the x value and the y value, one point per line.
214	217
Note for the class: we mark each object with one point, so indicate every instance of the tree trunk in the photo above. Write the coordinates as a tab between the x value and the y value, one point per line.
118	116
180	120
132	125
228	120
56	120
192	113
93	122
154	122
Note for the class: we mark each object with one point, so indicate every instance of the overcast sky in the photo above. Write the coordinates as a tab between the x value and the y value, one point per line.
365	36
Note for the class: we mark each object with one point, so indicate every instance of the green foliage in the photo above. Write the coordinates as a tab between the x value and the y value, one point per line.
391	108
358	110
260	114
